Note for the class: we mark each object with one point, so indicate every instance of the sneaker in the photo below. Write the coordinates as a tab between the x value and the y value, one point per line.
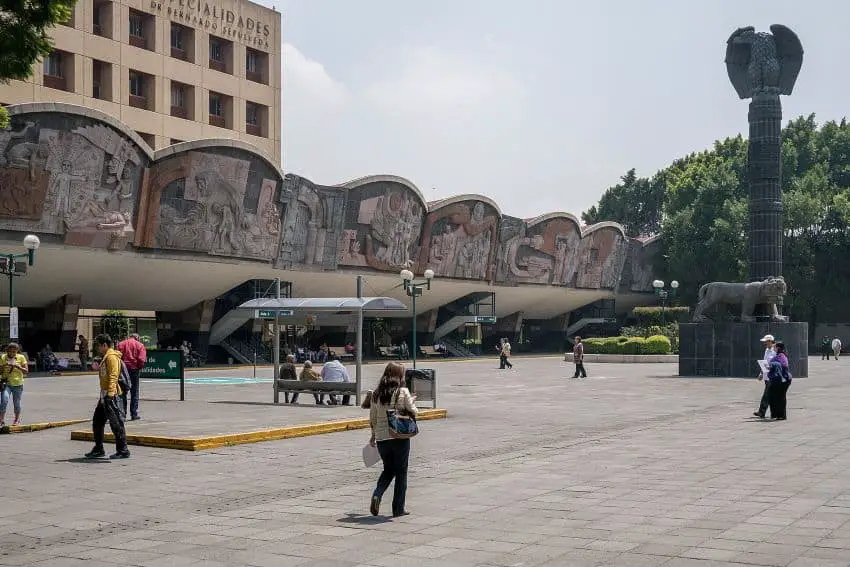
95	454
16	422
125	454
405	513
758	414
375	506
135	418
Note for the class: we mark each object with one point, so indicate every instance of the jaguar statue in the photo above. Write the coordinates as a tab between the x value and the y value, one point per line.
768	292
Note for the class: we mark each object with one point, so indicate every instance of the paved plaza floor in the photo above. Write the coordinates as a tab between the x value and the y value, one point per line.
630	467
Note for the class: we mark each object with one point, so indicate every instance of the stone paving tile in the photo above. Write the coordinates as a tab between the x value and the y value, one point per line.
669	472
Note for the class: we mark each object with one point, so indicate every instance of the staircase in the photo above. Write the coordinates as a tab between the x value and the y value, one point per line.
244	351
452	325
228	324
584	322
457	349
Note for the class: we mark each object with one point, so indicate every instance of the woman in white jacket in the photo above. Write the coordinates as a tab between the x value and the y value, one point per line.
391	394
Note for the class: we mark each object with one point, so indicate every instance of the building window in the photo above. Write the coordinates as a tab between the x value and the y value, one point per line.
182	42
220	110
256	66
58	71
53	65
141	90
221	52
101	80
102	19
141	30
254	118
181	100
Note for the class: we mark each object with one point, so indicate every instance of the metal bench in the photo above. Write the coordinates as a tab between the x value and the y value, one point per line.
340	352
430	351
388	352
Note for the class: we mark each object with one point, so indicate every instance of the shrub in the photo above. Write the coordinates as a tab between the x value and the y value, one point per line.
649	316
115	324
656	344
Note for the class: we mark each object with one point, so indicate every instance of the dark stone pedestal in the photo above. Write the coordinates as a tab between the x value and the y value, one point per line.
731	349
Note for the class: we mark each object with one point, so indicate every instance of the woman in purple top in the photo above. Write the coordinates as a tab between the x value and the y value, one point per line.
780	378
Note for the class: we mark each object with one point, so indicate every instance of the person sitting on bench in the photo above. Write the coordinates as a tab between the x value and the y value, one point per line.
334	371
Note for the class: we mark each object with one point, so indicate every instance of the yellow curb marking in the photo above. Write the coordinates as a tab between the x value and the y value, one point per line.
30	427
217	441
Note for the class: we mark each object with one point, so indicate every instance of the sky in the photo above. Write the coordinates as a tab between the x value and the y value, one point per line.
540	105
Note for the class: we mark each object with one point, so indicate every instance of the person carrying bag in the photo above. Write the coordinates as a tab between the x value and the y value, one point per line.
392	417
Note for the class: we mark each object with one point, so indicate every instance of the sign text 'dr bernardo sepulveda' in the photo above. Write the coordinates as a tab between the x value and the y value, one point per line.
215	19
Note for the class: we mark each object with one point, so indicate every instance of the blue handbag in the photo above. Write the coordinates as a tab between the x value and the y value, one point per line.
401	425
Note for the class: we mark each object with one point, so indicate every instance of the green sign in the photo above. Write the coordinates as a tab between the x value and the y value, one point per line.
269	314
163	364
485	319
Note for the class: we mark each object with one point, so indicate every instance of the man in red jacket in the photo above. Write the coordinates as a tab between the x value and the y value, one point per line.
134	355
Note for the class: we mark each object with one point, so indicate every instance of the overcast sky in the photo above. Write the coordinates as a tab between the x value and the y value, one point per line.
539	104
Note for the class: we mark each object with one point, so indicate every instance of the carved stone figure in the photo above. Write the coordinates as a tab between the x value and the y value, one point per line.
527	267
748	295
761	63
396	222
7	135
60	188
463	235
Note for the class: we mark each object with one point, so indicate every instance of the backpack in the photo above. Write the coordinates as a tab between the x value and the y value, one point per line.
124	379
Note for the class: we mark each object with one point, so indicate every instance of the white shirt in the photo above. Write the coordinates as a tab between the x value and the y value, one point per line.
334	371
769	354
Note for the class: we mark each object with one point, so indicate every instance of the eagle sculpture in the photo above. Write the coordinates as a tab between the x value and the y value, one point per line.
763	63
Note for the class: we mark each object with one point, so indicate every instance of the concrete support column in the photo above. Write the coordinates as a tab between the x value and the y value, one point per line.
60	322
191	325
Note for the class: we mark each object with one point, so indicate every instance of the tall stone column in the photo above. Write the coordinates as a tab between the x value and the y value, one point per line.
764	175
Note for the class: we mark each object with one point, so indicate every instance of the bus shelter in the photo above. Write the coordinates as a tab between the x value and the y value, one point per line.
330	311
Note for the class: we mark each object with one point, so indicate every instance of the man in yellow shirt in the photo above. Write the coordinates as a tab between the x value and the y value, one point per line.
13	368
109	405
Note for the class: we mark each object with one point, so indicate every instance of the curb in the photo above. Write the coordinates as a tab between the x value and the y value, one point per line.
627	358
8	429
275	434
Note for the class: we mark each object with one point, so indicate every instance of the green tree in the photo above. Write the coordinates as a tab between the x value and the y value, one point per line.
23	36
115	324
703	216
635	203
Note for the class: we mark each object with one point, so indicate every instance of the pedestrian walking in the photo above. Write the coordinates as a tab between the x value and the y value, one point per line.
109	407
504	354
391	395
836	347
135	355
825	348
780	381
13	368
769	353
84	352
578	358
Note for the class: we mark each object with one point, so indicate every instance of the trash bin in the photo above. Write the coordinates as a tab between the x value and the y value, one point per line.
423	383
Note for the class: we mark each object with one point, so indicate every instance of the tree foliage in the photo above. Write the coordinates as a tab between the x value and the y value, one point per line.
699	206
23	36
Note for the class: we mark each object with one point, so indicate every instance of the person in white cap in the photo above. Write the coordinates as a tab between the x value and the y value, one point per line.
768	341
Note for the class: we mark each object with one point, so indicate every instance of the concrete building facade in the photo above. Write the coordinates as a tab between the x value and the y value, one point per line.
171	70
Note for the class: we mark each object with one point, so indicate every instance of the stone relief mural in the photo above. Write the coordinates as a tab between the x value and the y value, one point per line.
458	239
382	227
551	250
312	223
70	176
222	201
86	181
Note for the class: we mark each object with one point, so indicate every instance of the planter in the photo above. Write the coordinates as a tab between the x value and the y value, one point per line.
626	358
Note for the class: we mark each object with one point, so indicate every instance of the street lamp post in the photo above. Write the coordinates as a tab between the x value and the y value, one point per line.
664	294
8	265
413	289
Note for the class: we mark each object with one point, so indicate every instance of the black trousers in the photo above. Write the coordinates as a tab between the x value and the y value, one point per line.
133	394
332	400
317	397
779	400
580	370
765	399
111	410
504	362
394	454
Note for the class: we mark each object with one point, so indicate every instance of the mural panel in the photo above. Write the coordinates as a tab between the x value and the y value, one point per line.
551	250
382	227
312	223
71	176
222	201
459	240
643	254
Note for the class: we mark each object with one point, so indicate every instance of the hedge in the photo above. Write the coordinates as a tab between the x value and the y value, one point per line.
656	344
648	316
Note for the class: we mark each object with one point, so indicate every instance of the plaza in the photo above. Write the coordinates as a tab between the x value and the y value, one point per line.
632	466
